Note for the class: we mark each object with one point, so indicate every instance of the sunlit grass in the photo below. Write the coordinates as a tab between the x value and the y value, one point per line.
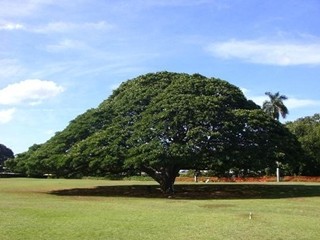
28	211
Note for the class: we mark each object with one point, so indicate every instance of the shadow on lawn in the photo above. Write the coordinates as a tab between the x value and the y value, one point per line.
194	191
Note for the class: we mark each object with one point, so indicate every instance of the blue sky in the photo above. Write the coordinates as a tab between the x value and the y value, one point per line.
59	58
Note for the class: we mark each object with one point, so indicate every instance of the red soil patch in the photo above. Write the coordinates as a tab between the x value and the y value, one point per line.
251	179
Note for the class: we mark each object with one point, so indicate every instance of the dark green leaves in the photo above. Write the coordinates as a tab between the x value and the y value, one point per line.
160	123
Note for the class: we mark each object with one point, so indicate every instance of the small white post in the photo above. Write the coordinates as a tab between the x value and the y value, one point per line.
196	174
278	175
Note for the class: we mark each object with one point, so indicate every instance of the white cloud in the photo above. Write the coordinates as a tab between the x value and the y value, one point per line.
31	91
63	27
175	2
245	90
6	115
264	52
21	8
66	44
102	25
291	102
10	68
50	132
142	4
11	26
57	27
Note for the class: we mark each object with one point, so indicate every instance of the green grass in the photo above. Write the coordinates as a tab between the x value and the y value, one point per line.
100	209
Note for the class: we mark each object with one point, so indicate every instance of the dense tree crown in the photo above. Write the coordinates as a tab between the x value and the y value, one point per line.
163	122
307	131
5	153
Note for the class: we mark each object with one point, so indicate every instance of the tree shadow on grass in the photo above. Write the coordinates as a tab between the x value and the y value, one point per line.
201	191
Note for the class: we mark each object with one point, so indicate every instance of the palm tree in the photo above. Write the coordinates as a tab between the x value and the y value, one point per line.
274	107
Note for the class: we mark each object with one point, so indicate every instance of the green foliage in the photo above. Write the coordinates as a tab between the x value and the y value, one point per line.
275	106
161	123
307	131
5	153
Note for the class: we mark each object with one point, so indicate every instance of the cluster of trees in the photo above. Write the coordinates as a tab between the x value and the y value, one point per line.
162	122
307	130
5	153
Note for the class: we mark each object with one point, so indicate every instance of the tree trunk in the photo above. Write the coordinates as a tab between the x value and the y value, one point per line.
166	184
165	177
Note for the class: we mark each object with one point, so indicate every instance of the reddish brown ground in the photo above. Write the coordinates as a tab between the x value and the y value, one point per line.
252	179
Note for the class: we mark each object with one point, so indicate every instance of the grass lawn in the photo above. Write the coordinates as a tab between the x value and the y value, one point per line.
100	209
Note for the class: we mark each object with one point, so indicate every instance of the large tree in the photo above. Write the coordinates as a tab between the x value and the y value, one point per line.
307	130
275	106
161	123
5	153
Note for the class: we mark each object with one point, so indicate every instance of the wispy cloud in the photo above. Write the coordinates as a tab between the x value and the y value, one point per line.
10	68
32	91
70	26
9	26
50	132
66	44
174	2
57	27
142	4
291	102
22	8
6	115
271	53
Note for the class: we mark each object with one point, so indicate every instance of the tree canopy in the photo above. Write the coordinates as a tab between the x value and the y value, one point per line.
307	130
160	123
5	153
